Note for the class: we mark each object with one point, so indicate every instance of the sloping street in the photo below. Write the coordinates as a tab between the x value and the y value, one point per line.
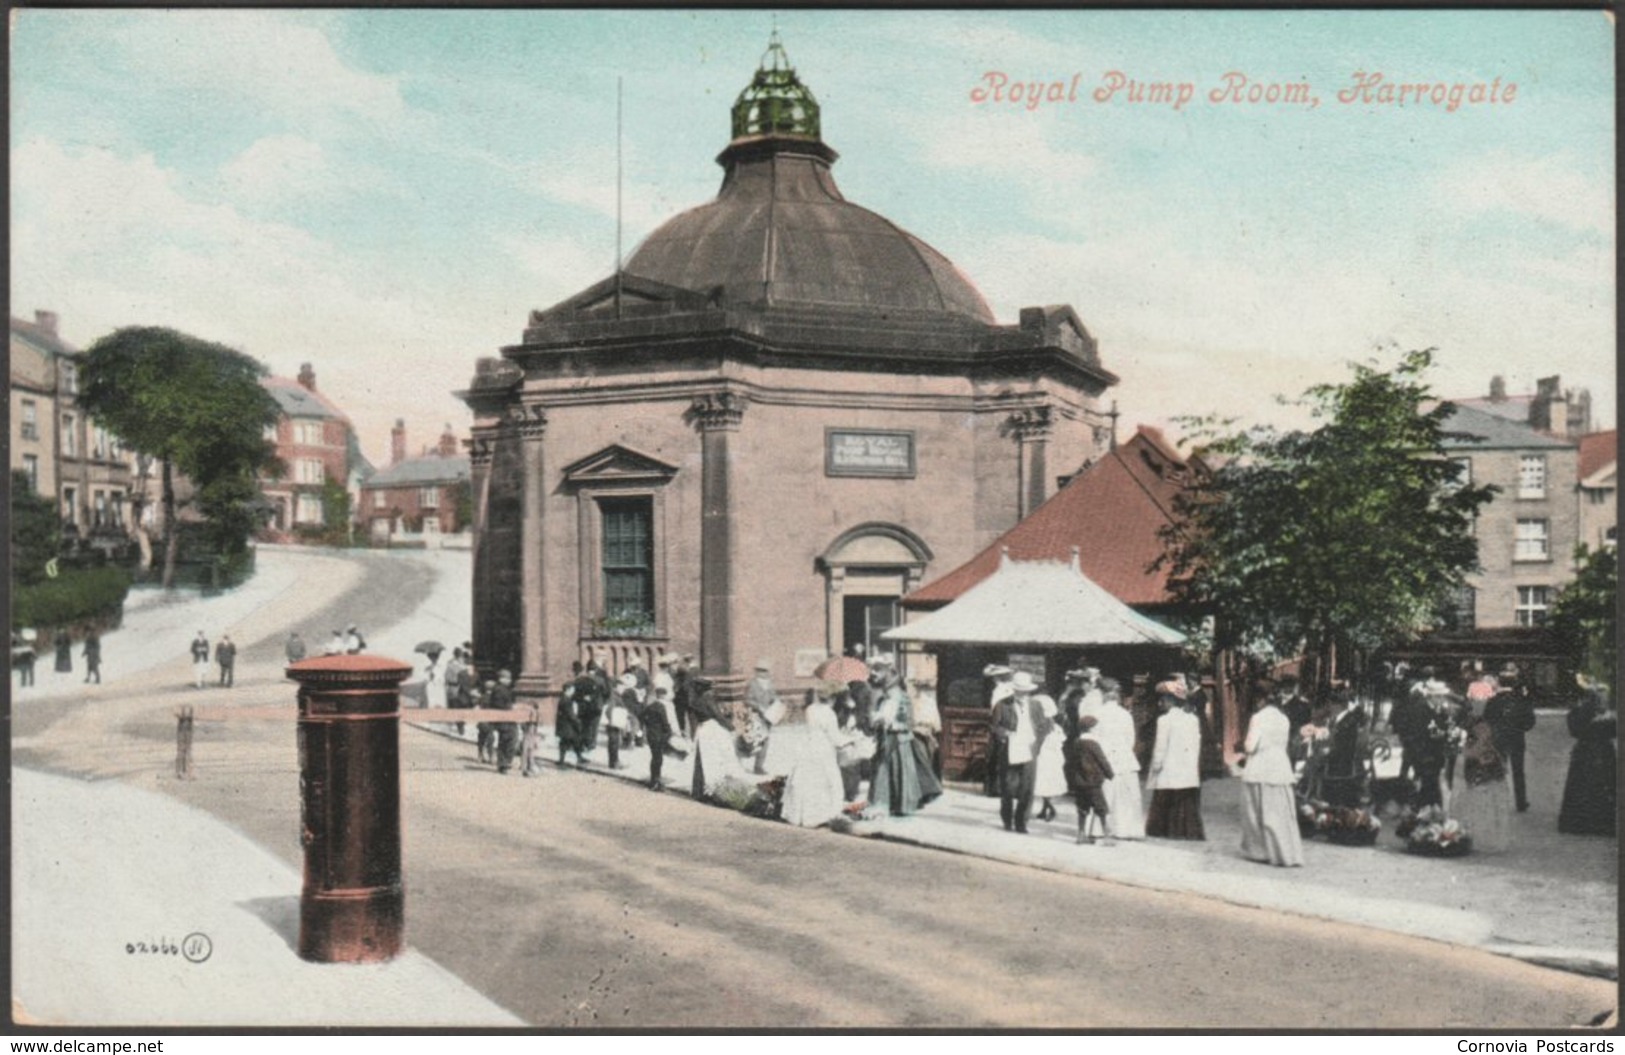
574	899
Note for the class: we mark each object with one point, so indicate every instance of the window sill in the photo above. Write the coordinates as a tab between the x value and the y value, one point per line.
1532	560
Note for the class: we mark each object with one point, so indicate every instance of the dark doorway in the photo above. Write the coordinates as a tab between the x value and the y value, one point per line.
864	619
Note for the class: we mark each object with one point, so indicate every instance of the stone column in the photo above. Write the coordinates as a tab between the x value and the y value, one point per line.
835	611
480	447
1032	427
529	422
717	416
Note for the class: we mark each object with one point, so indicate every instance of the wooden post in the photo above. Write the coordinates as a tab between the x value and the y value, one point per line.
183	743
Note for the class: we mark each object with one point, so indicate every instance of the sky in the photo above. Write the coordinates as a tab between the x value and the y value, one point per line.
387	194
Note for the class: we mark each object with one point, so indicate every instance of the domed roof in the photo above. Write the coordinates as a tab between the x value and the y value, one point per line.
780	232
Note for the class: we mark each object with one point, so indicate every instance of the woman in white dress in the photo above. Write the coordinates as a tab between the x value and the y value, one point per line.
1115	732
1049	774
1269	809
813	791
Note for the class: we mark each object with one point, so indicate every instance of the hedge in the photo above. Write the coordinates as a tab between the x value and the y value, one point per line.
76	595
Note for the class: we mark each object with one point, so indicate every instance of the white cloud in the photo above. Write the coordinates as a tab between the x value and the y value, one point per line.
112	241
1548	188
285	67
278	168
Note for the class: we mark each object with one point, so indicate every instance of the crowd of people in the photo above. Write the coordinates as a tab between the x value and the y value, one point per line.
868	744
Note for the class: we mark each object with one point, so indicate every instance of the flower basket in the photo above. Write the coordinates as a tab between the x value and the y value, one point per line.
1342	825
1431	833
1457	848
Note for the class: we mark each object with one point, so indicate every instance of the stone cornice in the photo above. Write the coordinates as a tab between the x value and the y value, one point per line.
528	420
713	411
1032	424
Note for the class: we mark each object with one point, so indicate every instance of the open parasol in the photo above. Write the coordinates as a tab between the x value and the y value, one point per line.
844	669
430	648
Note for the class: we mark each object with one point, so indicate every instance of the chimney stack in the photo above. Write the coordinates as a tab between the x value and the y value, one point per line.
307	376
448	443
397	442
1498	389
46	320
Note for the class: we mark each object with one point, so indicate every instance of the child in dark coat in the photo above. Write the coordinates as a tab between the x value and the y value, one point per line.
1086	770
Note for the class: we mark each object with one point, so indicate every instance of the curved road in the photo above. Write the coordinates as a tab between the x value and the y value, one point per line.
577	900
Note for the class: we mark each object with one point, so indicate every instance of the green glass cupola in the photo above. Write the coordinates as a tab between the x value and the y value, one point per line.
775	103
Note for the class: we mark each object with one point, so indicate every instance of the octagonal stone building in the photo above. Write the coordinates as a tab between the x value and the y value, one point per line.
781	415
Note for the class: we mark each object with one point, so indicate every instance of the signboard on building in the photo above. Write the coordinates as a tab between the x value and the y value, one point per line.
868	452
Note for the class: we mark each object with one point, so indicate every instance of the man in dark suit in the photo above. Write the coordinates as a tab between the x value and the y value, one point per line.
1511	714
507	732
1019	727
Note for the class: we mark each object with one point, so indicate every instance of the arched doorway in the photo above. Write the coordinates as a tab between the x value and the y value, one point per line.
867	569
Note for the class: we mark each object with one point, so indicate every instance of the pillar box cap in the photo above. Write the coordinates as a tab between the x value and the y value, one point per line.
359	669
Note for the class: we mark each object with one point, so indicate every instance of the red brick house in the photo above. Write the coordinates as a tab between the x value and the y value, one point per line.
423	495
317	444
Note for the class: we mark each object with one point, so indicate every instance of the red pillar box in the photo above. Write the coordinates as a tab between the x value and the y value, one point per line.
352	908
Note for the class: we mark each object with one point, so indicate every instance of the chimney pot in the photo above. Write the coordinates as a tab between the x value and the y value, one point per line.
307	376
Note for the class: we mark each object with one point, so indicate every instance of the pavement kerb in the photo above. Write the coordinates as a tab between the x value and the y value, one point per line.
1593	963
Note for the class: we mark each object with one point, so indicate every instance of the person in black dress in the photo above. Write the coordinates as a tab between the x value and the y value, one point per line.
1589	794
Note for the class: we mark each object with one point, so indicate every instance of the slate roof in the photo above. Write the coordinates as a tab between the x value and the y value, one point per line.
421	472
297	401
780	232
1598	451
40	337
1513	408
1037	603
1111	512
1493	432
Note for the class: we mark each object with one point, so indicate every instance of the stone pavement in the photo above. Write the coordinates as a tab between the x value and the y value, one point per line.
1551	900
163	872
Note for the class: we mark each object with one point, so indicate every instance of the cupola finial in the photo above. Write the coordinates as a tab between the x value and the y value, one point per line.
776	103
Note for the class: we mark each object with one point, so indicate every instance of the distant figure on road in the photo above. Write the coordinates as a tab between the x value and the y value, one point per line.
64	652
657	726
1512	714
225	654
23	655
354	643
569	724
200	658
295	648
93	657
507	732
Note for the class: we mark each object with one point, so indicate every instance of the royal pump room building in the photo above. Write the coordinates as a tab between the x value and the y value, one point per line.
783	413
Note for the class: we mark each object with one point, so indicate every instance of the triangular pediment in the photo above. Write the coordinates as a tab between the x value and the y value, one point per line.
618	464
632	292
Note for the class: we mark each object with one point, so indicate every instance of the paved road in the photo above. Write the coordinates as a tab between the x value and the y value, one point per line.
577	900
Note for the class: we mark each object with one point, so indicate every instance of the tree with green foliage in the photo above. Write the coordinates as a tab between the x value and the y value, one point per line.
195	406
36	531
1349	535
1585	616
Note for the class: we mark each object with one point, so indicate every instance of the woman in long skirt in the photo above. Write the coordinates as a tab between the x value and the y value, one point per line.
903	781
1125	808
813	792
1589	793
1483	800
1269	820
1176	781
1049	772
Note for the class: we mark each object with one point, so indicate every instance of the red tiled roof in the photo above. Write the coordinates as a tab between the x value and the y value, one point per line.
1598	450
1111	512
